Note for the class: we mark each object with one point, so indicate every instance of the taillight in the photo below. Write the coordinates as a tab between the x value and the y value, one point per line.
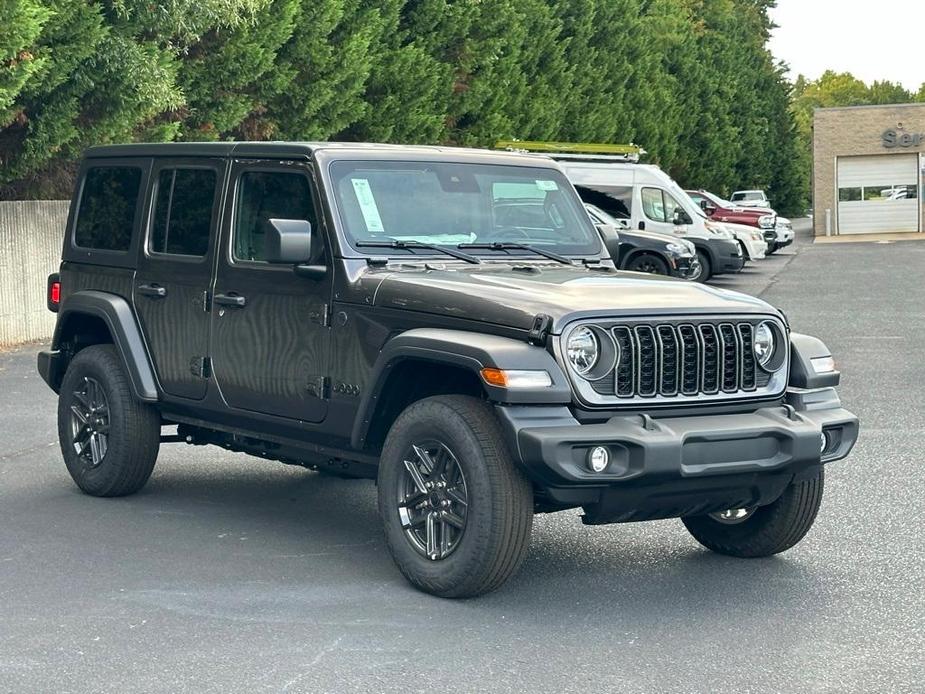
54	292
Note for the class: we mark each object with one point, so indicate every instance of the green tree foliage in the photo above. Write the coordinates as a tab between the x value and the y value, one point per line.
690	80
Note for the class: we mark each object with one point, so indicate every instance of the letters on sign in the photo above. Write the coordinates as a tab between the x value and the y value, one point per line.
899	138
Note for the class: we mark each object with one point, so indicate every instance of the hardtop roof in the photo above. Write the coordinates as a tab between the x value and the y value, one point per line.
305	150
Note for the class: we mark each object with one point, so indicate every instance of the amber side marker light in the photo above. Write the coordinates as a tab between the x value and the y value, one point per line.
507	378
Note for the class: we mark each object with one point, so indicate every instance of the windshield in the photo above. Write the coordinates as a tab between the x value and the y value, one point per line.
749	195
447	204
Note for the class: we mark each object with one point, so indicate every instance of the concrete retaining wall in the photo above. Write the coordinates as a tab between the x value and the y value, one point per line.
31	236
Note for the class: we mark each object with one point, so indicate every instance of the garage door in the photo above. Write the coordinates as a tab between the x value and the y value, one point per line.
878	194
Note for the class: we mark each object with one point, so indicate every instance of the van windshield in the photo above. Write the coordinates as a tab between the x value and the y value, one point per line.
448	204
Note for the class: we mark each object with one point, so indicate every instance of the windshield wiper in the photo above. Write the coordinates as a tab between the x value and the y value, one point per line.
403	245
510	245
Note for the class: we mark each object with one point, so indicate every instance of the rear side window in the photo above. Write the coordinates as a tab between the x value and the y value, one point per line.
266	195
617	201
108	201
183	212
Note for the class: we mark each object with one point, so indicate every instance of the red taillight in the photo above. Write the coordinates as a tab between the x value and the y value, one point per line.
53	296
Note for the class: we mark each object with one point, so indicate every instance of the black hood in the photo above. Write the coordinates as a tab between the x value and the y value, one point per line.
506	294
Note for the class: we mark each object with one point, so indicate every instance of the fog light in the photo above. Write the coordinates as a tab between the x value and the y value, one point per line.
598	458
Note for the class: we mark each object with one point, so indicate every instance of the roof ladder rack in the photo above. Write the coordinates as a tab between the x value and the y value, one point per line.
575	150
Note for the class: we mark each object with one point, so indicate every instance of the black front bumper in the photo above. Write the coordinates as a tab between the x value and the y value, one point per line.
678	466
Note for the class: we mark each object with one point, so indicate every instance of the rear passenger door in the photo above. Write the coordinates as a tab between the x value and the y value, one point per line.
171	293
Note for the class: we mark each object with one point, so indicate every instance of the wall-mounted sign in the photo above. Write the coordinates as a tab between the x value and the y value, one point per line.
893	138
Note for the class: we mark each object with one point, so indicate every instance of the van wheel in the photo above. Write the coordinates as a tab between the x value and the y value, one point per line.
647	262
108	439
763	530
456	511
706	270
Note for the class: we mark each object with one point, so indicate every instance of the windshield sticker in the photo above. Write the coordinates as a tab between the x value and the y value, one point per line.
547	185
367	205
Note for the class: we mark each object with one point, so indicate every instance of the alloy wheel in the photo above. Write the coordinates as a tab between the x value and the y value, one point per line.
433	500
733	516
90	422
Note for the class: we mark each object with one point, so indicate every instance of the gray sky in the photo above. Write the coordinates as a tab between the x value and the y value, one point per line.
871	40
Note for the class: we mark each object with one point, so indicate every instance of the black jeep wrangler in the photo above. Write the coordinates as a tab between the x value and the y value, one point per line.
445	321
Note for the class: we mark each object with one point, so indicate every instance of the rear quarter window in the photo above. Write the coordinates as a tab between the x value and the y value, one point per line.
108	201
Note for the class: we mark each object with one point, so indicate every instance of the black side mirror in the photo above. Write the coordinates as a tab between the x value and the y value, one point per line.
707	207
608	232
681	217
289	242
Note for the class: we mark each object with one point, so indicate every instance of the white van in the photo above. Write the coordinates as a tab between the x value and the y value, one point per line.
648	199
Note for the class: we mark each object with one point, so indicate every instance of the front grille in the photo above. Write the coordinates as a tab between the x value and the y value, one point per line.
683	359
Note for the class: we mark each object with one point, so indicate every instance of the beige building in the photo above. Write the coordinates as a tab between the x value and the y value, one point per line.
867	169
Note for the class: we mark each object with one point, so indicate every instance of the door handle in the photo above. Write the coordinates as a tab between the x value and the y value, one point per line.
642	226
154	291
230	299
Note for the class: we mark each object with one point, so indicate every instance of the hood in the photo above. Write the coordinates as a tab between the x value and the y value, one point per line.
513	294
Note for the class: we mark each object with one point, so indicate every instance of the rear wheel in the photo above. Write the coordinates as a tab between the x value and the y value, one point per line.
456	511
706	269
648	262
108	439
763	530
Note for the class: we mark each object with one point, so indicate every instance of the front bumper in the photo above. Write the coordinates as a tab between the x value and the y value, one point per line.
678	466
684	266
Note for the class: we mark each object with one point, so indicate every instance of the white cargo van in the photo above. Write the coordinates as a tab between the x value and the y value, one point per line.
648	199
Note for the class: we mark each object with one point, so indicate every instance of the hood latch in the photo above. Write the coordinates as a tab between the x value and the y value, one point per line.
542	324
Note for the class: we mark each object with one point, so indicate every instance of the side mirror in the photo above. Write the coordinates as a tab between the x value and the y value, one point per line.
707	207
289	242
681	217
608	231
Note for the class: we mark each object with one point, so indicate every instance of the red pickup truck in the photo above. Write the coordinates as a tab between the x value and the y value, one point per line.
724	211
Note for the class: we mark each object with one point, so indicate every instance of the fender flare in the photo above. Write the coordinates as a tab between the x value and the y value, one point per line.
471	351
118	316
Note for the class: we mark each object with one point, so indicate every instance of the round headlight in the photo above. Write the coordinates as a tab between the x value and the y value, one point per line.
764	344
583	350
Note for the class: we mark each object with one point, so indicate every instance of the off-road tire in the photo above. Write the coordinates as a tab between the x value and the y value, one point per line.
500	499
706	269
134	427
769	530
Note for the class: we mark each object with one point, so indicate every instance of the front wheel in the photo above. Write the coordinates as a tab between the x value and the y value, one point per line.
456	511
705	269
763	530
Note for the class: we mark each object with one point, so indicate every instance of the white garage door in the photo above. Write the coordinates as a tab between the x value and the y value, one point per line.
878	194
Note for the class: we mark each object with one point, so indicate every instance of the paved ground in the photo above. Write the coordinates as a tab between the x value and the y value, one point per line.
232	574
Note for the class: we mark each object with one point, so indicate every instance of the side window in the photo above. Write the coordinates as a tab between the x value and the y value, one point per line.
653	205
266	195
617	201
671	206
106	215
183	212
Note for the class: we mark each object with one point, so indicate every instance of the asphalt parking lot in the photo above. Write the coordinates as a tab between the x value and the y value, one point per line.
227	573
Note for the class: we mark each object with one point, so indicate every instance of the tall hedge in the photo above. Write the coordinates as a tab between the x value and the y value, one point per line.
690	80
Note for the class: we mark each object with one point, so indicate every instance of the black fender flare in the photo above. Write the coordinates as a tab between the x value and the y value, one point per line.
471	351
706	247
118	316
803	349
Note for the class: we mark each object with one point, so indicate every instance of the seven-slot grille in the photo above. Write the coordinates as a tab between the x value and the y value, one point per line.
683	359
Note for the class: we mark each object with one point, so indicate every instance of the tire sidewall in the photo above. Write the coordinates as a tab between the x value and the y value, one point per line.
658	262
433	421
705	267
95	362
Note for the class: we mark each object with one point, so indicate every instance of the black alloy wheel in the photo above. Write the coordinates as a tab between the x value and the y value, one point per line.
433	500
90	422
